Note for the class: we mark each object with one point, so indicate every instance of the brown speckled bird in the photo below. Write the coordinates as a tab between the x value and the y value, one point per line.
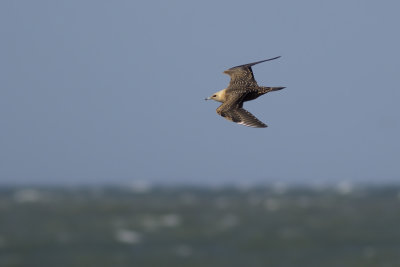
242	87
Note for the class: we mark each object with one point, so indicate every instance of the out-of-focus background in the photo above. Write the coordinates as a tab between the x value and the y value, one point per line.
200	226
109	154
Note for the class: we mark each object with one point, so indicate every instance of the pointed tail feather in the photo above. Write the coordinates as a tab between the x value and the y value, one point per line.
270	89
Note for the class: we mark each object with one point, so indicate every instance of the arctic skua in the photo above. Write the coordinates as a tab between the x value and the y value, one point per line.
242	87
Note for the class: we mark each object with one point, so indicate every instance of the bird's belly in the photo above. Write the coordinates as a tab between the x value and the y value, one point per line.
251	96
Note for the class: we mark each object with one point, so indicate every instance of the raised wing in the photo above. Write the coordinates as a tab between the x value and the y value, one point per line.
242	75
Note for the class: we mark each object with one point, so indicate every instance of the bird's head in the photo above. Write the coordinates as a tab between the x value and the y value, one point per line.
218	96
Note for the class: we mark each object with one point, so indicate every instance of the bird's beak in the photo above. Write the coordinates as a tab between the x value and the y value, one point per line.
208	98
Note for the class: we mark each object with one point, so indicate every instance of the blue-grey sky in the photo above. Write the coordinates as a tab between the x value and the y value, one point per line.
113	91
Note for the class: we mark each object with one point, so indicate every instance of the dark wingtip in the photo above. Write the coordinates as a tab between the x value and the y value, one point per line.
254	63
274	58
260	126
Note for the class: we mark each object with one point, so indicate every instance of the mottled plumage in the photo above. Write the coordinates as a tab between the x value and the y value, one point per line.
242	87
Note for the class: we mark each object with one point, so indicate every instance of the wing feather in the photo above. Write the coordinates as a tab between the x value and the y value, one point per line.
242	75
232	110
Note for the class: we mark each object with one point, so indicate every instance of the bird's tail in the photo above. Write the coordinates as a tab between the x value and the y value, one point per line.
270	89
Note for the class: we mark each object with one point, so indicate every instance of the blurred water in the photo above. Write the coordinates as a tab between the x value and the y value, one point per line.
143	225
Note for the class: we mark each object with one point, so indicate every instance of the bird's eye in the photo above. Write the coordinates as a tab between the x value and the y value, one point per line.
214	95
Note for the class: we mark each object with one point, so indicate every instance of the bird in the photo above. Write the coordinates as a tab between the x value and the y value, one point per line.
242	87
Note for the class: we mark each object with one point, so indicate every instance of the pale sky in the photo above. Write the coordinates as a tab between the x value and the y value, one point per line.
113	91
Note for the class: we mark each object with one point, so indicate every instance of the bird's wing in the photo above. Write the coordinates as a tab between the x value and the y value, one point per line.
242	75
232	110
242	116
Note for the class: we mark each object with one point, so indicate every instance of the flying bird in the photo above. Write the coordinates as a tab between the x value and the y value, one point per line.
242	87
